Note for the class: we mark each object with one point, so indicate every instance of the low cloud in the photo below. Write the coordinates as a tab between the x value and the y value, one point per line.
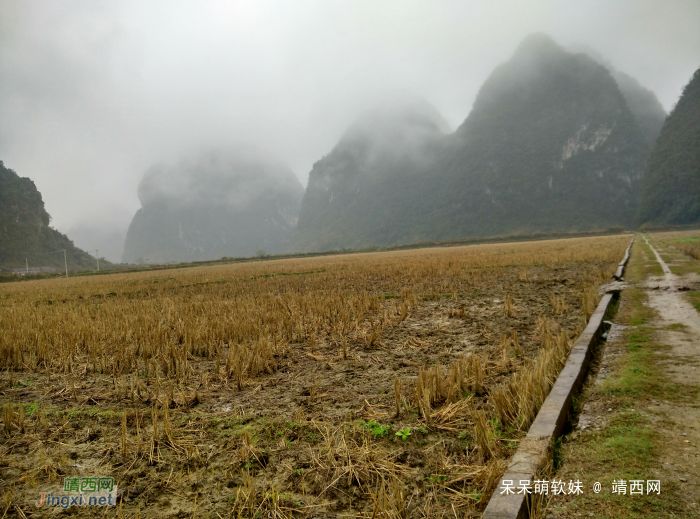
95	93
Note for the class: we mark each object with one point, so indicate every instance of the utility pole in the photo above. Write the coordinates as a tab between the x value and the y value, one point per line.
27	262
65	262
97	257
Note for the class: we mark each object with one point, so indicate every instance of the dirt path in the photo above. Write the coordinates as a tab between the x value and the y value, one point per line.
641	409
669	277
681	425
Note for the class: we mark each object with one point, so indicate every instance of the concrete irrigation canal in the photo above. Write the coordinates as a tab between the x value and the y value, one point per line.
637	419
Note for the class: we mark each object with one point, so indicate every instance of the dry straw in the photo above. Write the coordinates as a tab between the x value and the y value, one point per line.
517	402
154	325
153	341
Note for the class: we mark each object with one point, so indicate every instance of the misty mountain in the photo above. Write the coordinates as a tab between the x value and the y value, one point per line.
643	103
550	145
219	204
671	185
107	239
359	194
25	233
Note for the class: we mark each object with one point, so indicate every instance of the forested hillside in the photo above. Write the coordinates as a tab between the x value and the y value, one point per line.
367	190
645	107
671	187
550	144
25	234
643	103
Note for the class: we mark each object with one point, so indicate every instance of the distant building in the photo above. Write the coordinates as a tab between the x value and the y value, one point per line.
34	270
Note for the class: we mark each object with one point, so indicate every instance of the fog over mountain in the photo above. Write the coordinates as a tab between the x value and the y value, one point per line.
550	145
358	195
671	185
108	240
235	203
94	93
643	103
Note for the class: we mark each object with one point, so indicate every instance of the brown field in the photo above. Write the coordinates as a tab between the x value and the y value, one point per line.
371	385
685	242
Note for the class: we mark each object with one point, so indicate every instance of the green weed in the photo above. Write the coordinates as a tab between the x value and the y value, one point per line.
404	433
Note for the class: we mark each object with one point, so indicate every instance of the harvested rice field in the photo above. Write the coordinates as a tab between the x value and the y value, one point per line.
392	384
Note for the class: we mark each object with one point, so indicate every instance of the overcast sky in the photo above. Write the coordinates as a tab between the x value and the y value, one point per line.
92	92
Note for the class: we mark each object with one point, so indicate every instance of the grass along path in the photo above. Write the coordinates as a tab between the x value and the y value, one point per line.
640	416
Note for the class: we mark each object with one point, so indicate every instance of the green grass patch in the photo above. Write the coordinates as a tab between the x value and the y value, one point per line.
627	446
695	299
652	267
685	240
624	450
636	269
639	374
678	327
642	314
